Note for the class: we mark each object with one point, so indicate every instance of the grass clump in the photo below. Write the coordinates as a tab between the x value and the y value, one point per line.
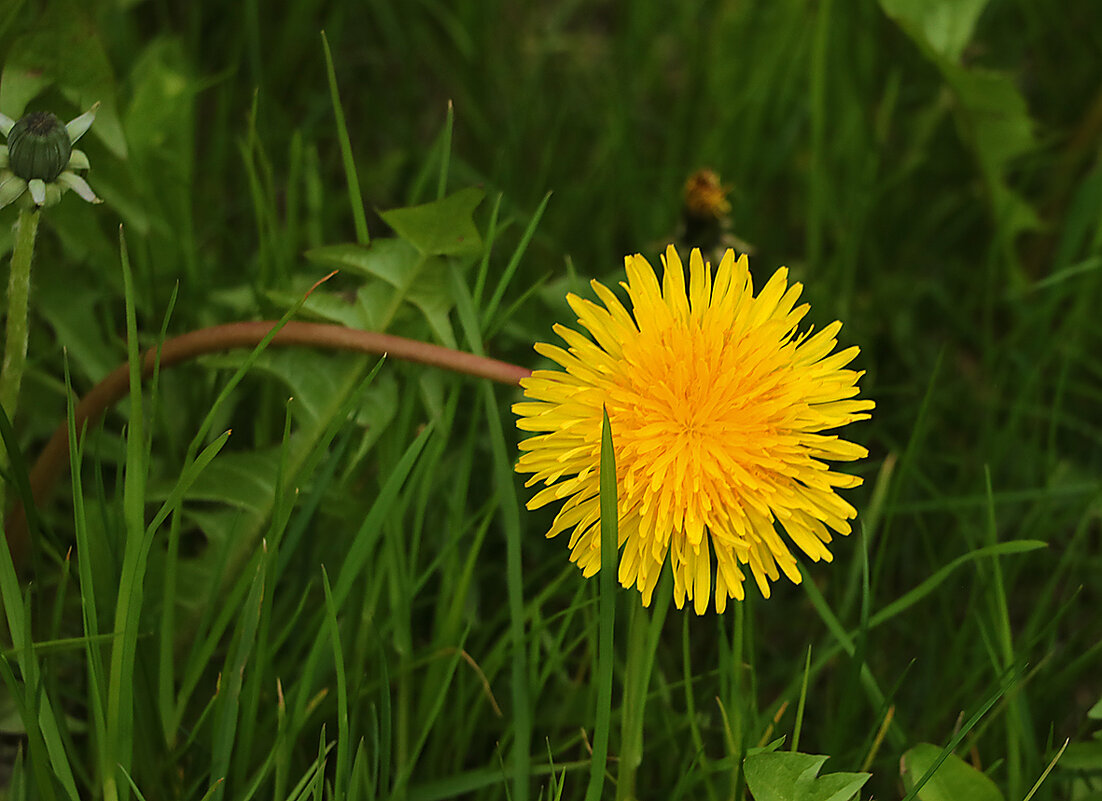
285	572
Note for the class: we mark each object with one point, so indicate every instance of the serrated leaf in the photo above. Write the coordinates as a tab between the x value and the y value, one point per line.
788	776
954	779
418	279
441	228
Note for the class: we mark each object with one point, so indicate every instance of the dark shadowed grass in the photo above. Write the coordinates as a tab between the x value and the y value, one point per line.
345	596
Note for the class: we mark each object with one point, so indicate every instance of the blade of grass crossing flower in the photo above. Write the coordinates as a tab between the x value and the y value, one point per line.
514	585
355	199
340	776
607	615
229	695
514	262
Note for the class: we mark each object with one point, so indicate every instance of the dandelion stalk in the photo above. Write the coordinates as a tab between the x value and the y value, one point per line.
644	632
38	159
15	341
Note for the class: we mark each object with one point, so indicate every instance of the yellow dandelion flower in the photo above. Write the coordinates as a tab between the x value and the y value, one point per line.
718	408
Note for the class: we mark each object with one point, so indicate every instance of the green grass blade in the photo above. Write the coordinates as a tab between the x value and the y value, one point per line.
355	199
1008	682
86	570
607	590
226	716
912	597
120	688
514	579
187	478
514	262
343	735
445	153
18	473
36	746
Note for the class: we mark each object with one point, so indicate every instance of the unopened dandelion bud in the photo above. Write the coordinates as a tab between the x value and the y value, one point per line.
39	147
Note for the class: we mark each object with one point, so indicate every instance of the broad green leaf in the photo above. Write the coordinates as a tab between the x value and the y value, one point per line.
70	307
790	776
1000	125
413	277
941	26
954	779
158	118
1085	757
991	114
441	228
1095	712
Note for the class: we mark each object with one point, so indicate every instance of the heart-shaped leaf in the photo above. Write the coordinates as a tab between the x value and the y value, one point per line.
788	776
954	779
441	228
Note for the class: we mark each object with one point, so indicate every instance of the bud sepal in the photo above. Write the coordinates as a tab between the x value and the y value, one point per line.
40	160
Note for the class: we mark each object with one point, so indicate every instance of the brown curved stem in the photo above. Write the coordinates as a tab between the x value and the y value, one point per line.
52	461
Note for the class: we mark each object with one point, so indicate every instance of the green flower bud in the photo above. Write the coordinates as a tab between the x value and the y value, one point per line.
39	147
